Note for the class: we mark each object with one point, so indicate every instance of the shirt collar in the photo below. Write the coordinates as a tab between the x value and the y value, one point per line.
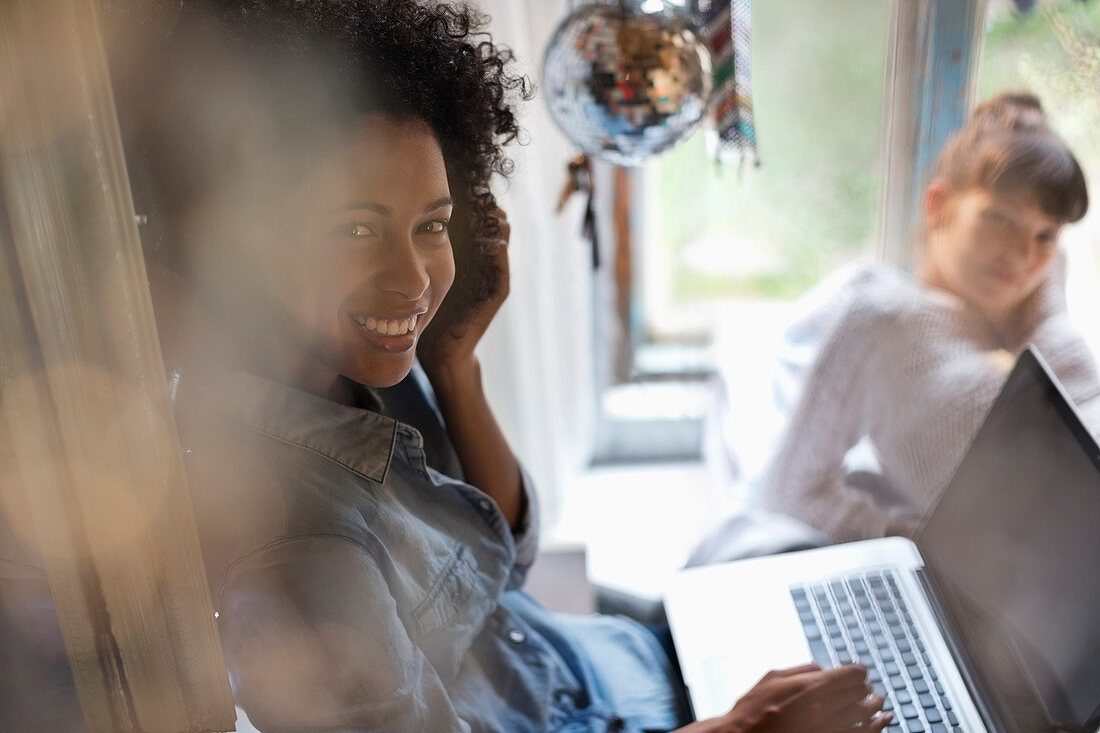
361	440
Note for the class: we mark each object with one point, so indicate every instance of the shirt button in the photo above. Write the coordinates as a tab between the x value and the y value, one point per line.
516	636
485	505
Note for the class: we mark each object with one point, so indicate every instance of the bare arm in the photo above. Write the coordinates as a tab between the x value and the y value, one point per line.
447	355
487	460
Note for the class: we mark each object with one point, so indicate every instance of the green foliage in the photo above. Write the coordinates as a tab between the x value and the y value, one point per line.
1054	51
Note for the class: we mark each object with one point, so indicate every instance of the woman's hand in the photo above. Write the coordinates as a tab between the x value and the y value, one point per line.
803	700
448	344
1046	301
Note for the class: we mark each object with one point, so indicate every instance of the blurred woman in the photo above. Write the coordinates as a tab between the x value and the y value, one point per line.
911	366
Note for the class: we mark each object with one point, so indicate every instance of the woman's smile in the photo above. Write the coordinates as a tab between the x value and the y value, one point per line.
387	326
392	335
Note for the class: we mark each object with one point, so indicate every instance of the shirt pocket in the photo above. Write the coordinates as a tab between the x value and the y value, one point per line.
454	599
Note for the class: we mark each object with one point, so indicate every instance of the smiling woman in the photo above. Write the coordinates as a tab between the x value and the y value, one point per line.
371	272
344	144
327	220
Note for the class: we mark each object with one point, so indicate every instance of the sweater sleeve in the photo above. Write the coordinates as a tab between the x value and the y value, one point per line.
1064	348
805	477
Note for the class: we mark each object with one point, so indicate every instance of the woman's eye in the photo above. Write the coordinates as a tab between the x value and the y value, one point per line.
436	226
357	230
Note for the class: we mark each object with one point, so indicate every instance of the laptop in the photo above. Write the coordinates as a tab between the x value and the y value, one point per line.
988	621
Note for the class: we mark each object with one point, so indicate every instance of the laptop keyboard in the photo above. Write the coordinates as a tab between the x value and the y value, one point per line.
863	618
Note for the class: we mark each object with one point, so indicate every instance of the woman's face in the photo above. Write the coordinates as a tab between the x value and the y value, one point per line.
372	258
990	249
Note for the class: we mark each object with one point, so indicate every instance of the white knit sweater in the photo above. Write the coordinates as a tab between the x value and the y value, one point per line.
914	371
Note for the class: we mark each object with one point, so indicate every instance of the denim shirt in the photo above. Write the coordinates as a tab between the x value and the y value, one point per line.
359	590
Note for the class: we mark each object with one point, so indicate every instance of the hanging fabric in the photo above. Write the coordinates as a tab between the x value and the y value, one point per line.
726	27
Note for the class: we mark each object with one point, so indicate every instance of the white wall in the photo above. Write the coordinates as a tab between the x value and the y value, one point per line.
537	355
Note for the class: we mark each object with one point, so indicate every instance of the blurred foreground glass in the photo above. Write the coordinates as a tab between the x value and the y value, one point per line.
98	493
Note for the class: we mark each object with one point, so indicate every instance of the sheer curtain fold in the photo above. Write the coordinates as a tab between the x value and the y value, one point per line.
537	357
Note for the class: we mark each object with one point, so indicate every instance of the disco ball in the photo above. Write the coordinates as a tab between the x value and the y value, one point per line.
625	84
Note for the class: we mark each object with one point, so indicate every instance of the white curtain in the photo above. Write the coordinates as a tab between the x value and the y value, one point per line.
537	356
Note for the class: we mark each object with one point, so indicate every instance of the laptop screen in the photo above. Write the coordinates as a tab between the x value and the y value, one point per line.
1014	547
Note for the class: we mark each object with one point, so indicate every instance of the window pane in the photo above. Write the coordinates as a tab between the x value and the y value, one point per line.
719	234
1054	51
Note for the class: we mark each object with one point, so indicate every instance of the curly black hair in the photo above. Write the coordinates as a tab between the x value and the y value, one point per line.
456	79
412	59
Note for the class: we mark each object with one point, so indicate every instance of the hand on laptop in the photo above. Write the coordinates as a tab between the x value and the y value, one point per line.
803	700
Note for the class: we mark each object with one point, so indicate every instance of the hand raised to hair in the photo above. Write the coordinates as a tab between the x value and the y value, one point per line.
446	352
1047	301
449	341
